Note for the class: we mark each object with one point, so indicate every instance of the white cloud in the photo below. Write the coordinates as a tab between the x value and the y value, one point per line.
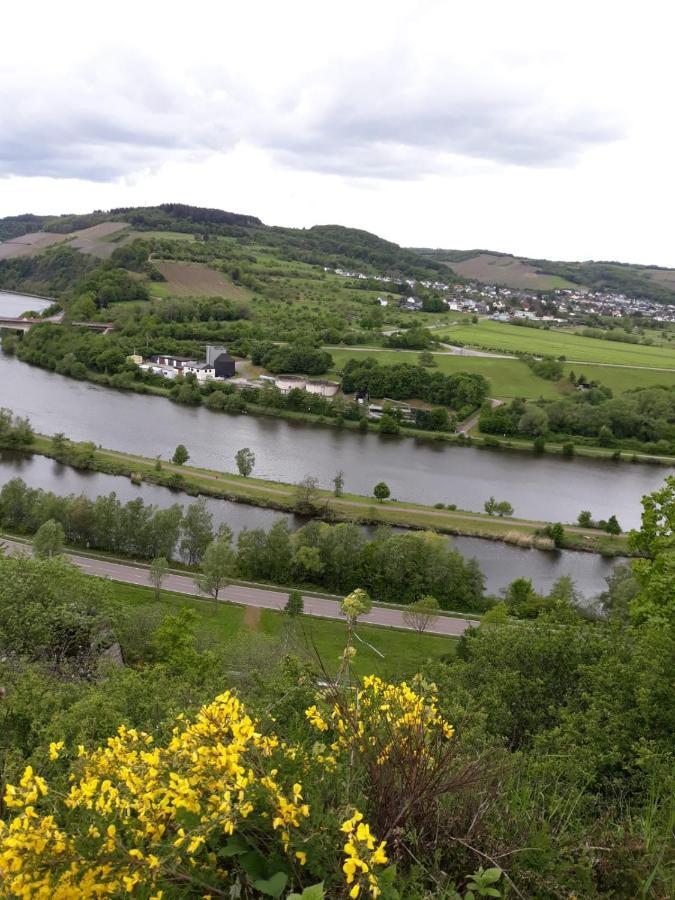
528	127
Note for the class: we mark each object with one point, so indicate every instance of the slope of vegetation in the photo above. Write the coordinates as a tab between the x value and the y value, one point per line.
536	761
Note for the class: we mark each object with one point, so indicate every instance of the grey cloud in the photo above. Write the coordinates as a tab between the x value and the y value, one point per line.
387	120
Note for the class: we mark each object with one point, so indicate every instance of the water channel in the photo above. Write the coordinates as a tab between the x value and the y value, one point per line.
500	563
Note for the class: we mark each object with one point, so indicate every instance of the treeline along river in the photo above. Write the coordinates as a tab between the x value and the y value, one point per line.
500	563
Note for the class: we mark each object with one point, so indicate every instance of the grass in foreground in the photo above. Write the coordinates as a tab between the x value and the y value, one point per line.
219	624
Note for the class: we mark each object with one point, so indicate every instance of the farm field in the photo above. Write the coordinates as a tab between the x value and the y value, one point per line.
28	244
99	240
492	268
511	378
193	279
221	623
508	377
515	338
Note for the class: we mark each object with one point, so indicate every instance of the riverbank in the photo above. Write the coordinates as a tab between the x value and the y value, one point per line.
460	438
322	503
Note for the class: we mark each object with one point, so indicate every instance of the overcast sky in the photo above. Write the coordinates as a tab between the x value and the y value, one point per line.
544	129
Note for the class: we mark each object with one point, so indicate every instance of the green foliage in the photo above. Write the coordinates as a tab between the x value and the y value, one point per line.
48	540
180	455
218	567
245	460
50	611
159	569
404	381
295	605
14	431
381	491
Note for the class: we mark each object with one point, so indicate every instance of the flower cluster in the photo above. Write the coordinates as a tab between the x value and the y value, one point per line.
363	855
387	718
152	814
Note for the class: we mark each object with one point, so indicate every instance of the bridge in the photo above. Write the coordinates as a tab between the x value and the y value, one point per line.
25	324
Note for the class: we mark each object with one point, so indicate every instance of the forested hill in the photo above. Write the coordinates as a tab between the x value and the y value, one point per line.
519	272
333	246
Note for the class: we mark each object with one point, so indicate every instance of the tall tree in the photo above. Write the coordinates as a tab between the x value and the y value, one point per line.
245	460
196	531
218	568
180	455
159	569
48	540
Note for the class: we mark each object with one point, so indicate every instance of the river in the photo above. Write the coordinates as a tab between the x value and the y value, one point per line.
500	563
547	487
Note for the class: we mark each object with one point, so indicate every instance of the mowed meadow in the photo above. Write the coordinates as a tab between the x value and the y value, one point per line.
507	338
510	378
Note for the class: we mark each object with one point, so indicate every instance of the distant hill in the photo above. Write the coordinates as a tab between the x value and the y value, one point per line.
97	233
519	272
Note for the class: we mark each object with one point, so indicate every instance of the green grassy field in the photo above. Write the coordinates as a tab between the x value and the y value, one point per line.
515	338
508	377
511	378
220	623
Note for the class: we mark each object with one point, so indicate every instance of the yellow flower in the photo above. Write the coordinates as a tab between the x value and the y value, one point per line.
302	856
54	749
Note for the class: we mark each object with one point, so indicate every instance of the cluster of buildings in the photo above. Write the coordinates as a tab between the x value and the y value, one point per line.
505	304
218	364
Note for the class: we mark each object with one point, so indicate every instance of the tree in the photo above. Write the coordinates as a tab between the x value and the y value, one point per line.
388	425
59	442
490	506
504	508
196	531
534	421
245	460
48	540
306	493
585	519
295	605
522	600
180	455
568	449
557	533
338	483
612	526
159	569
218	567
426	359
421	614
381	491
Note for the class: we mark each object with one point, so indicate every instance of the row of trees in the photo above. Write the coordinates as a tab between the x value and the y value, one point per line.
462	391
644	415
396	567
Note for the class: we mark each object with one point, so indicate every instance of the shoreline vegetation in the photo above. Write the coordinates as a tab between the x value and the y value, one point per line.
322	504
471	436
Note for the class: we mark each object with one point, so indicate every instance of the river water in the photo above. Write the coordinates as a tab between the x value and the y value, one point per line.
547	487
500	563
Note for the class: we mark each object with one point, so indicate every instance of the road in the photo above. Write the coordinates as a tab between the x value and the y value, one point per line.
250	596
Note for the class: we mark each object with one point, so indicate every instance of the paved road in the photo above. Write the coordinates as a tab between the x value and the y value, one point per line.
251	596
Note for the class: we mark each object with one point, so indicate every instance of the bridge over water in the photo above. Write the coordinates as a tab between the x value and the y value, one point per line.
25	324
